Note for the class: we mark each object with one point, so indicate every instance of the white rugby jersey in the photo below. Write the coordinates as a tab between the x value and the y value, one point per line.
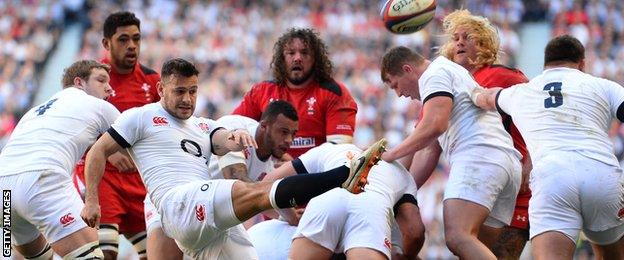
469	126
565	109
256	168
167	151
390	180
55	134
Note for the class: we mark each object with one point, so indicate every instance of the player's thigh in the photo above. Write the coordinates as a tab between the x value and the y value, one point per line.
613	250
74	241
160	246
324	219
552	245
555	204
305	249
462	217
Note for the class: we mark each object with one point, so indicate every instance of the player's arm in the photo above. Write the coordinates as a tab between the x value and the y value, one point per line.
94	169
425	162
236	171
433	124
485	98
407	215
287	169
224	141
340	118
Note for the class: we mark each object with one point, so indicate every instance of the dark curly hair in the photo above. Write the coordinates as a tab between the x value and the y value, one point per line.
321	71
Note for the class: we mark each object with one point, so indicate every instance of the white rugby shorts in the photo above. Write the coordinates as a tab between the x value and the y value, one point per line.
44	199
493	183
339	221
200	217
573	192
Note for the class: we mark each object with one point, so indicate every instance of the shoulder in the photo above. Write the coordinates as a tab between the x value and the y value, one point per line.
236	121
146	70
499	76
333	87
151	75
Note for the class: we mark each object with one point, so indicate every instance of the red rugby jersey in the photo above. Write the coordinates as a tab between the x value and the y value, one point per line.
504	77
133	89
323	109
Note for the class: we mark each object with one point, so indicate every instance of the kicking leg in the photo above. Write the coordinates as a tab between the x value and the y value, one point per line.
249	199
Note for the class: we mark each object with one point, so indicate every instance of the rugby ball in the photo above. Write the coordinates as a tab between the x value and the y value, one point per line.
407	16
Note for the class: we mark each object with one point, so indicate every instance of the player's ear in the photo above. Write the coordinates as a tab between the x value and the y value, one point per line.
106	43
159	88
581	65
77	81
406	67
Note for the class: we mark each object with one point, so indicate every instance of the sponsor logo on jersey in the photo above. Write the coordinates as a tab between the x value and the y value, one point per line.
311	102
67	220
160	121
303	142
273	99
200	212
343	127
387	243
204	127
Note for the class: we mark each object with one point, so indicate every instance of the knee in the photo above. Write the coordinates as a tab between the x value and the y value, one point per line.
456	238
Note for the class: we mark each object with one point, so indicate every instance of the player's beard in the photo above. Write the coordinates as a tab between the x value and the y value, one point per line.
300	80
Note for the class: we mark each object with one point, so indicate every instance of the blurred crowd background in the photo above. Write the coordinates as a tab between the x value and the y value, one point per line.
232	43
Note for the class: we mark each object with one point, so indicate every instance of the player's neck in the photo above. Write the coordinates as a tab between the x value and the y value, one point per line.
119	70
303	85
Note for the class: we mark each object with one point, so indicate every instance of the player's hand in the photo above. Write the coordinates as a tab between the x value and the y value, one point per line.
285	158
389	156
122	162
526	173
242	139
91	214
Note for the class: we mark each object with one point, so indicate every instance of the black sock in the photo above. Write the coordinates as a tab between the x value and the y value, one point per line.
299	189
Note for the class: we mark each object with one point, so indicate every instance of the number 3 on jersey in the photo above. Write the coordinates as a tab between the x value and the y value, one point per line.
556	98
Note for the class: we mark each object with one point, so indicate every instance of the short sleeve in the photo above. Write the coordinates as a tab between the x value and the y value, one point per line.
504	101
127	129
615	95
340	116
108	116
310	159
438	83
